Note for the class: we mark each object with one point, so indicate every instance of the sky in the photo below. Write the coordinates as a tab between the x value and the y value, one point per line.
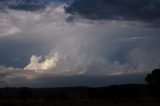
57	43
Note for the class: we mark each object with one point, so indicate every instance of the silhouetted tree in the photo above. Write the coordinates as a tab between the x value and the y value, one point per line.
153	81
154	77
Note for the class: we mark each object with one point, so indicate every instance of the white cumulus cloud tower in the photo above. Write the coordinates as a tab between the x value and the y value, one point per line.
37	64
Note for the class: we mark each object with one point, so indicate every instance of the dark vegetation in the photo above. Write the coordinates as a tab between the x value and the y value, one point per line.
129	94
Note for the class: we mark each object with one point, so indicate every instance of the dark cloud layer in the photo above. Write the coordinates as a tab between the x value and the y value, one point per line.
138	10
28	5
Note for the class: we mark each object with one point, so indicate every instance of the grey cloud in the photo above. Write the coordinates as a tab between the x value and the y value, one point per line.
134	10
29	5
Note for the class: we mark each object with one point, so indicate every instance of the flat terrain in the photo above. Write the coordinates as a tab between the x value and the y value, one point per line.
50	103
116	95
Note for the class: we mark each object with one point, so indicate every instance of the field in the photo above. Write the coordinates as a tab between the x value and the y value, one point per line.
80	103
115	95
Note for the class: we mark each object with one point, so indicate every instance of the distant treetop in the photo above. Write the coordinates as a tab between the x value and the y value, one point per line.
154	77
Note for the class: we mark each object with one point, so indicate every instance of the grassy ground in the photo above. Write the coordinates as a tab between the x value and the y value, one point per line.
84	103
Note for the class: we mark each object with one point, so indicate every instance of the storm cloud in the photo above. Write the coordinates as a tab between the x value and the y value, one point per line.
132	10
65	44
